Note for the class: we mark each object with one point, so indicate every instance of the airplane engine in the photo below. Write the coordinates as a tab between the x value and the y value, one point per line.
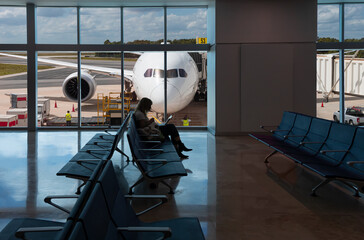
88	86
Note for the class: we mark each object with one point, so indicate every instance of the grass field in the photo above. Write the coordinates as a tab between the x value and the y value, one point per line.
6	69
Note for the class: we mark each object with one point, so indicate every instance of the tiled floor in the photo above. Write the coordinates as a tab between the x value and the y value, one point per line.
228	188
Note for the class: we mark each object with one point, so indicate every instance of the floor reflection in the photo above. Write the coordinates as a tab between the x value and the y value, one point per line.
228	187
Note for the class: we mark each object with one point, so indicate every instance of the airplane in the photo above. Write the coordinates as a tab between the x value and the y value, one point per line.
147	79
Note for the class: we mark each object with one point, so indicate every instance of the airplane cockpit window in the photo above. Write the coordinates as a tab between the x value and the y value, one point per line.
148	73
182	73
172	73
159	73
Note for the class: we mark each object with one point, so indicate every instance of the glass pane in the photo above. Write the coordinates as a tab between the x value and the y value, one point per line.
101	103
354	87
353	24
185	25
57	25
328	23
186	91
328	88
13	89
13	26
100	25
57	89
139	86
143	25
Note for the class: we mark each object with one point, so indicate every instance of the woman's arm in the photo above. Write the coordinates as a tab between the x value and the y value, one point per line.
144	122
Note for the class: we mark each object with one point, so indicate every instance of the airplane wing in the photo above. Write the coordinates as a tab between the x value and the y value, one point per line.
128	74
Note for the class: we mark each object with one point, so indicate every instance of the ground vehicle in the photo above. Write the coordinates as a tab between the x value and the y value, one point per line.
353	116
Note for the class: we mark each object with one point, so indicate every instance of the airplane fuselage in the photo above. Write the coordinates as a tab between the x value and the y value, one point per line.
182	79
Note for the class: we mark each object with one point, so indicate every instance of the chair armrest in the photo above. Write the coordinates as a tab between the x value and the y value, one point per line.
167	232
164	161
351	163
325	151
287	136
94	150
48	200
268	130
279	130
151	141
20	233
96	142
163	199
303	143
151	149
89	160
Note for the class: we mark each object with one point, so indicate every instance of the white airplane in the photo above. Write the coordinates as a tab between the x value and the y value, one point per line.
147	78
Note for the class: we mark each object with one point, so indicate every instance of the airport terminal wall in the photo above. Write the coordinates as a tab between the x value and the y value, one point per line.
265	62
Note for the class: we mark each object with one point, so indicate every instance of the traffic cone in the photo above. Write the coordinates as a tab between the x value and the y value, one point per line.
55	104
322	104
73	108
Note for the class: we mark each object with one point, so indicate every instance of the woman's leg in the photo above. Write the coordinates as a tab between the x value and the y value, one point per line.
171	130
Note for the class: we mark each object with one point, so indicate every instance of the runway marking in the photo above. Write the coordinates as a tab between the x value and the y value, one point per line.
25	73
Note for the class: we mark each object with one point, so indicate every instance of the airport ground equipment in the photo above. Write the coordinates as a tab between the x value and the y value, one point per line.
100	148
8	120
109	107
332	150
156	160
353	116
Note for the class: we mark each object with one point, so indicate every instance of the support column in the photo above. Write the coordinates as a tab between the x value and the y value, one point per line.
32	67
342	66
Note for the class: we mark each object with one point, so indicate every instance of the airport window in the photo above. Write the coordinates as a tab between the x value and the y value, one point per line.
339	70
172	73
353	22
101	102
185	25
143	25
13	25
148	72
182	73
100	25
57	89
13	89
56	25
328	23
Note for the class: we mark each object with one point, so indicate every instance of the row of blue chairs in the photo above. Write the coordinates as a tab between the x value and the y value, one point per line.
156	160
333	150
101	146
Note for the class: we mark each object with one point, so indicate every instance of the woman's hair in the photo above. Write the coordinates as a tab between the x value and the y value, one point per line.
144	105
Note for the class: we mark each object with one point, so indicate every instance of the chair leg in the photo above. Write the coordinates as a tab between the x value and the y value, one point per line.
169	186
323	183
352	187
78	191
271	154
141	179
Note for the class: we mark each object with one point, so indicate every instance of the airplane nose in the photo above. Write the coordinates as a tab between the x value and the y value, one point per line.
173	98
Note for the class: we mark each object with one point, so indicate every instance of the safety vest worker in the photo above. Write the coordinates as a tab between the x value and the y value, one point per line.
68	118
186	122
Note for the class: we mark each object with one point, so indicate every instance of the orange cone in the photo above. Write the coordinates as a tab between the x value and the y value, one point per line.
73	108
322	104
55	104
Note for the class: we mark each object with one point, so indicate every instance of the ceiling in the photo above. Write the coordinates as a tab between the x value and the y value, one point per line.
106	3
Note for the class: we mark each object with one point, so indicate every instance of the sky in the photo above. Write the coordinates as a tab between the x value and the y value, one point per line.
328	21
59	25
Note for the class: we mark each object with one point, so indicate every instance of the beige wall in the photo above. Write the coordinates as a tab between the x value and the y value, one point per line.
265	62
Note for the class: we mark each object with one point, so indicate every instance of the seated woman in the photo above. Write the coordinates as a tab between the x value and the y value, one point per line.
147	126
